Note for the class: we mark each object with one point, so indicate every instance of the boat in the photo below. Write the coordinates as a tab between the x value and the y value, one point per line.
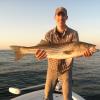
37	93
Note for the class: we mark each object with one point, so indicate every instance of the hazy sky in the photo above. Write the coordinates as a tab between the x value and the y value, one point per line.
25	22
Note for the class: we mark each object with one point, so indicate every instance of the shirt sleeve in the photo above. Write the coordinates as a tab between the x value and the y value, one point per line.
75	37
49	36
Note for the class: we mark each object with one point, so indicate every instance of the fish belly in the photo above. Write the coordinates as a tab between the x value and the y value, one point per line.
59	56
63	55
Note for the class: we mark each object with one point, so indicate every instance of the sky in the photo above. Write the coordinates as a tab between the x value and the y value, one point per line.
25	22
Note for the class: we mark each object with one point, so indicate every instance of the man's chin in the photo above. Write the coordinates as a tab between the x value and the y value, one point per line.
61	24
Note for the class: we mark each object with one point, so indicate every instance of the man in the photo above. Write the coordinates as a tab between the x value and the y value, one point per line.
62	68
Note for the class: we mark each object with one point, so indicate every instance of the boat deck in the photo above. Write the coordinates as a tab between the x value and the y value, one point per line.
37	95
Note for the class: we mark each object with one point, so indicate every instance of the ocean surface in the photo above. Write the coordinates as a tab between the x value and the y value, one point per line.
29	72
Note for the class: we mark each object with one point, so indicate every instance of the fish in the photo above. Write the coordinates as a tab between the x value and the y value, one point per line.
56	51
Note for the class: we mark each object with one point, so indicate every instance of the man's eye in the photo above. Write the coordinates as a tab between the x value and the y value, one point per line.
61	14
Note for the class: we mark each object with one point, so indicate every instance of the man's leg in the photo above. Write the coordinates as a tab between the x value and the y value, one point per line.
66	80
51	80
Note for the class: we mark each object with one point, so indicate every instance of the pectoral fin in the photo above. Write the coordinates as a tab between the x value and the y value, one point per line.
68	52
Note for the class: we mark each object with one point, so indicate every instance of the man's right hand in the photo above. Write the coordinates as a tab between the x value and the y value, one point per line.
40	54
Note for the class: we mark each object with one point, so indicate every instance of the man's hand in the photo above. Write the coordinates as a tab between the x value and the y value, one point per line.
40	54
88	53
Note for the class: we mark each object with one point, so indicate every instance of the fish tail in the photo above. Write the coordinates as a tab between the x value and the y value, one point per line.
17	50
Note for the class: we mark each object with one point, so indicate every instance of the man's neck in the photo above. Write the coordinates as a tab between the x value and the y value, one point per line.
61	29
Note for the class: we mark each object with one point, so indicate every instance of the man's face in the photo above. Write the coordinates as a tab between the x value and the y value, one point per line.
61	18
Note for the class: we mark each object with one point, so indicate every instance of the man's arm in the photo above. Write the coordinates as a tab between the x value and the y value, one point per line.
41	54
87	52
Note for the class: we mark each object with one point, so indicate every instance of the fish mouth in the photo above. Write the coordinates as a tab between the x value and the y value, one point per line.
93	48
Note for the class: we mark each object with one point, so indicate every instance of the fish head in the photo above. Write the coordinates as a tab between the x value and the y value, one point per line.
91	47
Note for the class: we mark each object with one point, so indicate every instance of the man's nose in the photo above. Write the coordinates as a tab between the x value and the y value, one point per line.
61	17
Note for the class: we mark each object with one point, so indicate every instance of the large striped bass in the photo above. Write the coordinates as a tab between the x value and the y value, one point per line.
57	51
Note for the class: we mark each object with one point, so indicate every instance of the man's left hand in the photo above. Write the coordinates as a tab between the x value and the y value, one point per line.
88	53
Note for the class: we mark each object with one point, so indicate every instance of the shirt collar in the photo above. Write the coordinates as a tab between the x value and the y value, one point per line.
65	31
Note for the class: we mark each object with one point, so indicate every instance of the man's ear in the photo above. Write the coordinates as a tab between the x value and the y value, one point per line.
66	17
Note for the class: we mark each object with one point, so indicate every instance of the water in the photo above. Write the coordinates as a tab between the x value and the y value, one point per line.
29	72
